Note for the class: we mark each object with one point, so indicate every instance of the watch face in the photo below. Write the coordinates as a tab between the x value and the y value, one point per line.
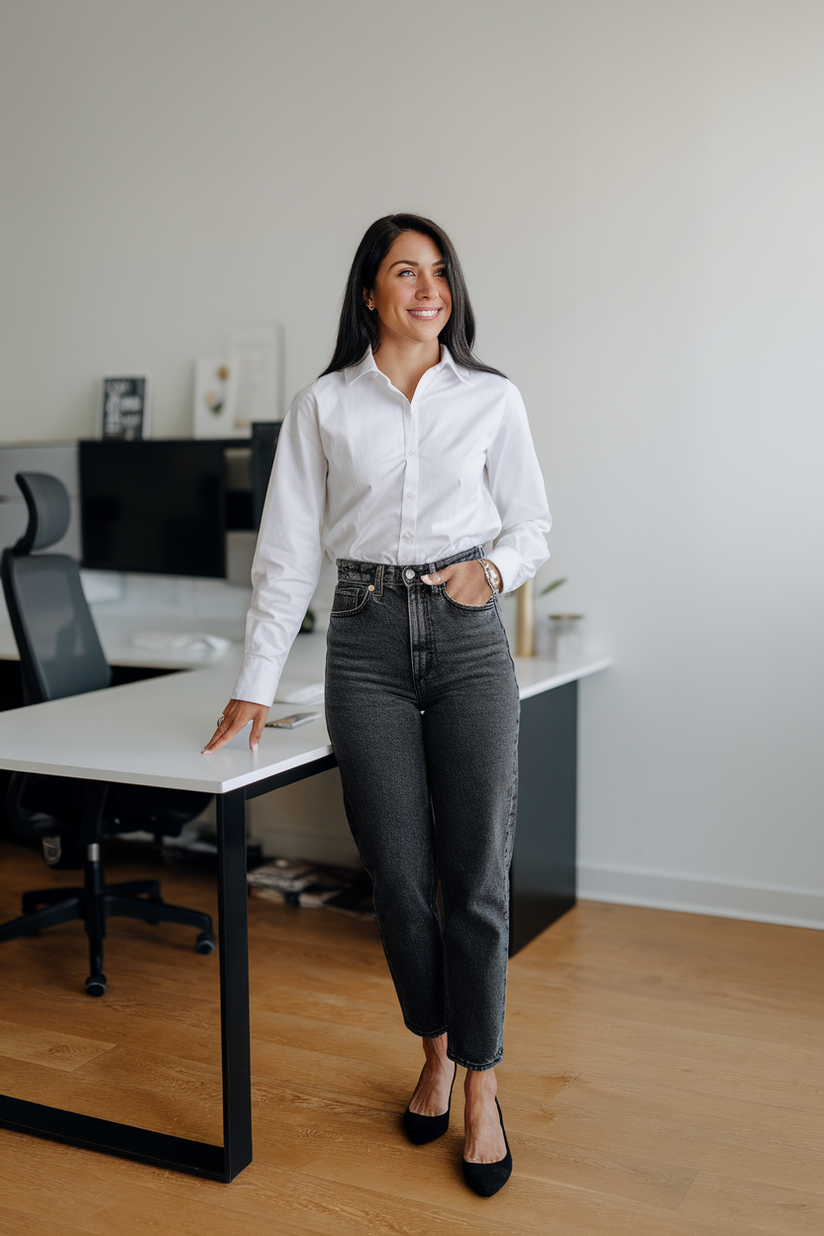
491	574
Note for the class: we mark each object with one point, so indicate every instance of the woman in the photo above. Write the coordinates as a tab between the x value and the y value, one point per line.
401	461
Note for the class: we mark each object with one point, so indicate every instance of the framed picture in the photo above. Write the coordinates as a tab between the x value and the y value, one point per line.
124	409
255	374
213	416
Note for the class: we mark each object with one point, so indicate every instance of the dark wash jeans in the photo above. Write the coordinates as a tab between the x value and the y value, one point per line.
422	708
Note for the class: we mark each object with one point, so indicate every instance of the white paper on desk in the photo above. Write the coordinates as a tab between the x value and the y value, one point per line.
292	693
198	642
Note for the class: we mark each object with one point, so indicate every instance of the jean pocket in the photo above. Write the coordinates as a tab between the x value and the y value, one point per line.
470	609
349	599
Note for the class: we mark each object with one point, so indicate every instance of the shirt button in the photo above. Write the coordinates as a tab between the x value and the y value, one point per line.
410	494
410	452
407	536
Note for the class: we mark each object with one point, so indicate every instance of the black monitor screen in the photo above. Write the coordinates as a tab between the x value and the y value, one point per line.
264	441
157	507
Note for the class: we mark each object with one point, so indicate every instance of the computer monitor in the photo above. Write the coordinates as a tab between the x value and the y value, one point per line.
264	443
158	507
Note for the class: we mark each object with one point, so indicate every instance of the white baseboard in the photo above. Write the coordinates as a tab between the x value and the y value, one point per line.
791	907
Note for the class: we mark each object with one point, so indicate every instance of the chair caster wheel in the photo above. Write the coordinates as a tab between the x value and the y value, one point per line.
96	985
205	943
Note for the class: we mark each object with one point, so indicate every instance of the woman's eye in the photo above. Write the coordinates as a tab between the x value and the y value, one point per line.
406	272
441	274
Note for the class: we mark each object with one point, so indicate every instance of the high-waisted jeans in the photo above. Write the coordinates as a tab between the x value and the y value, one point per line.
422	709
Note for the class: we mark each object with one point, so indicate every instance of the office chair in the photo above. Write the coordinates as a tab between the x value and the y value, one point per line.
60	655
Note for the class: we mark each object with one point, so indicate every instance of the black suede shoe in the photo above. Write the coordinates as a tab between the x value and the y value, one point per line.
423	1129
487	1178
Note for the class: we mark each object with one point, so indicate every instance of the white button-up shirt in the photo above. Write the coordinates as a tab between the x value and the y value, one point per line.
364	474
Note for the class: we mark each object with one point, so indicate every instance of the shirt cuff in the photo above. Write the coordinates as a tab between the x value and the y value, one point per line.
257	681
510	565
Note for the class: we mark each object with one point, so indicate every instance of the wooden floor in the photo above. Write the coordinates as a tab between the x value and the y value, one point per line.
663	1074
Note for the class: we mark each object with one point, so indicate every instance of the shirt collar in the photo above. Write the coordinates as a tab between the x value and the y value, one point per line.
367	365
448	361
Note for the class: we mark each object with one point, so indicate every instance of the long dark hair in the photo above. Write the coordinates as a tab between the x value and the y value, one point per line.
358	329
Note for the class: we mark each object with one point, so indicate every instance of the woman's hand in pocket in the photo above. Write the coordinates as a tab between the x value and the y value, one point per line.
465	582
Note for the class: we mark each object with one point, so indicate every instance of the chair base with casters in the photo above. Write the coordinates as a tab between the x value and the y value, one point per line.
101	808
96	902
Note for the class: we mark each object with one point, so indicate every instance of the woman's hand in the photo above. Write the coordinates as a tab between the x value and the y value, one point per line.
236	715
465	582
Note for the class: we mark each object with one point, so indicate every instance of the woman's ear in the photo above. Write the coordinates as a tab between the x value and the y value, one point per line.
367	299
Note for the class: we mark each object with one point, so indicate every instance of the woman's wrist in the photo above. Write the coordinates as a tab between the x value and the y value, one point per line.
492	575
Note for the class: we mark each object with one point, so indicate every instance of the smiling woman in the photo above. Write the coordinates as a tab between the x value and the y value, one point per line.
359	331
402	461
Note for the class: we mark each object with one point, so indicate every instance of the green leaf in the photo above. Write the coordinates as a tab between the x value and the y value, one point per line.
556	583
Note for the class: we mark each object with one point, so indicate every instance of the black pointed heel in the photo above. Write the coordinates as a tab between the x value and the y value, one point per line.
422	1129
487	1178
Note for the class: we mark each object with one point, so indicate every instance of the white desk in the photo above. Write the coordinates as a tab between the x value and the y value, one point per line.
152	732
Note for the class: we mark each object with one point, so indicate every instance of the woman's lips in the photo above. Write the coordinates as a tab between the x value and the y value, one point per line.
426	315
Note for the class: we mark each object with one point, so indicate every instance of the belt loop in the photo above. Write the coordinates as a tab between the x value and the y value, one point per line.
379	581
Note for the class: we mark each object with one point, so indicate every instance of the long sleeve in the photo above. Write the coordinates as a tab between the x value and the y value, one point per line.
518	491
289	552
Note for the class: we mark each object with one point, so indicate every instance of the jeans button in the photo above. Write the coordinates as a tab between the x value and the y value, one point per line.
409	574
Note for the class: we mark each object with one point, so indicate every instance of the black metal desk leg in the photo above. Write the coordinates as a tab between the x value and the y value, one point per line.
234	982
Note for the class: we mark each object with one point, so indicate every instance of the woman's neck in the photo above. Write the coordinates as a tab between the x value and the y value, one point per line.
405	366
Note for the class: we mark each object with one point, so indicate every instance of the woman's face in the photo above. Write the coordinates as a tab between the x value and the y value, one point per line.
411	295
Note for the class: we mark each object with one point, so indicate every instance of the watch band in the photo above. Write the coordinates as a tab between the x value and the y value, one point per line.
492	575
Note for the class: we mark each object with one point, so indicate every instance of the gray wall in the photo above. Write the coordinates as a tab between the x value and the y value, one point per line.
635	187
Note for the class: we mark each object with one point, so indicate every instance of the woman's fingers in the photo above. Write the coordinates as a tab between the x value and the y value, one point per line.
235	717
224	733
440	577
257	730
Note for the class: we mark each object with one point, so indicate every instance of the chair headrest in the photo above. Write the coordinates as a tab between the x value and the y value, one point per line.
49	511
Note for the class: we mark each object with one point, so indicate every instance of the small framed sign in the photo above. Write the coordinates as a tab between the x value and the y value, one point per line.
125	407
212	415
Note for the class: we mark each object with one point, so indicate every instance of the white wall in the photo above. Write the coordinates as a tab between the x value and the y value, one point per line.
636	190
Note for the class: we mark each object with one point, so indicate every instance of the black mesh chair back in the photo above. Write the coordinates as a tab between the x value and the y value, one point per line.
60	651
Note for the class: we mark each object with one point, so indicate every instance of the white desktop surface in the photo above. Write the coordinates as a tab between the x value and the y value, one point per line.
537	674
152	732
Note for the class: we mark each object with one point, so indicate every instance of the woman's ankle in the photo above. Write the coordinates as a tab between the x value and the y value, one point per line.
481	1083
435	1050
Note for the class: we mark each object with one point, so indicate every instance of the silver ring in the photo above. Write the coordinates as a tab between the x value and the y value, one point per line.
220	721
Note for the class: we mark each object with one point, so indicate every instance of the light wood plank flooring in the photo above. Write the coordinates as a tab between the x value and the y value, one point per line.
663	1075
